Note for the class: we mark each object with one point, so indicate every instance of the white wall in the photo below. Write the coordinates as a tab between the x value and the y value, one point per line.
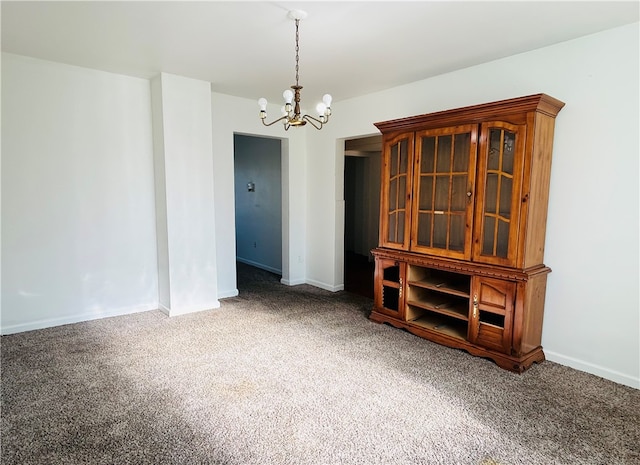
592	306
78	228
184	204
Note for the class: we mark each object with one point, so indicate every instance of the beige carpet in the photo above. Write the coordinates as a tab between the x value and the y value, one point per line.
282	375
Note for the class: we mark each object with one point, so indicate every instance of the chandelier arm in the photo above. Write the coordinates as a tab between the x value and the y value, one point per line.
316	123
282	118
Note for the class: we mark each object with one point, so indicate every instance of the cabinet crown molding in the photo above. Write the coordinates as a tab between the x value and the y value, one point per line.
502	109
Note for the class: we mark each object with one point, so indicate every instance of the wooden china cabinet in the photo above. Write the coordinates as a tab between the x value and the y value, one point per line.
462	227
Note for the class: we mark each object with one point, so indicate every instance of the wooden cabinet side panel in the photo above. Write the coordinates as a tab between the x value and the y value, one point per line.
529	312
534	223
377	283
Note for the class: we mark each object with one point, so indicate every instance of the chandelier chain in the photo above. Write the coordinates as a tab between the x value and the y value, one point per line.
297	51
291	114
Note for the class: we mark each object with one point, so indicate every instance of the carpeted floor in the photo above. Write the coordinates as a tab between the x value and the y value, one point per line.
293	375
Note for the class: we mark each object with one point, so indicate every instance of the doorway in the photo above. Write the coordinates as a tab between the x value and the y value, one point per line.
362	212
258	202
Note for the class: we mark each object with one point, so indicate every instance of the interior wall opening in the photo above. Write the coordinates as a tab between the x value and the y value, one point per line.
362	212
258	202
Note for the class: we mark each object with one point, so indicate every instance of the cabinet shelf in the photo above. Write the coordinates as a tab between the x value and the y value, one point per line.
451	309
459	289
441	324
443	282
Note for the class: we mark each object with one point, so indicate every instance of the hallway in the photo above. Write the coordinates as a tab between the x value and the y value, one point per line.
358	274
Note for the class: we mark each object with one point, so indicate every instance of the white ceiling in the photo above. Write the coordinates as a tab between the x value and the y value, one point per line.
247	49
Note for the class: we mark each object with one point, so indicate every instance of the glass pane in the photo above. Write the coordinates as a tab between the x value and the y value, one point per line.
428	154
393	219
393	161
443	163
456	233
442	193
400	236
393	194
396	227
487	240
498	194
402	191
505	196
425	202
404	156
491	194
462	146
440	231
494	149
503	239
424	229
508	152
459	193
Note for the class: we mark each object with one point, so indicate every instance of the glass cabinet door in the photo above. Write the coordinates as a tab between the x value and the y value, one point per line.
499	191
395	213
444	176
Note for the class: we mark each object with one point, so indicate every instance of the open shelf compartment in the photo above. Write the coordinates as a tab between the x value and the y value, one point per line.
440	281
445	304
440	323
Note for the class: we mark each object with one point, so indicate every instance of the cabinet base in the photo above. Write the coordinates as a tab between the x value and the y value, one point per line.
507	362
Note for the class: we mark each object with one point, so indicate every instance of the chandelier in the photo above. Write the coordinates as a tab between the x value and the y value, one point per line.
291	110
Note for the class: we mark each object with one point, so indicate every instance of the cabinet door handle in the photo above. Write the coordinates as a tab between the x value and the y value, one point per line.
475	306
400	290
469	194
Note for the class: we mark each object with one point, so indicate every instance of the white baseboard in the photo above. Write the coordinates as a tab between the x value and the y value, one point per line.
325	286
313	283
70	319
164	309
259	265
186	310
295	282
593	369
227	294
